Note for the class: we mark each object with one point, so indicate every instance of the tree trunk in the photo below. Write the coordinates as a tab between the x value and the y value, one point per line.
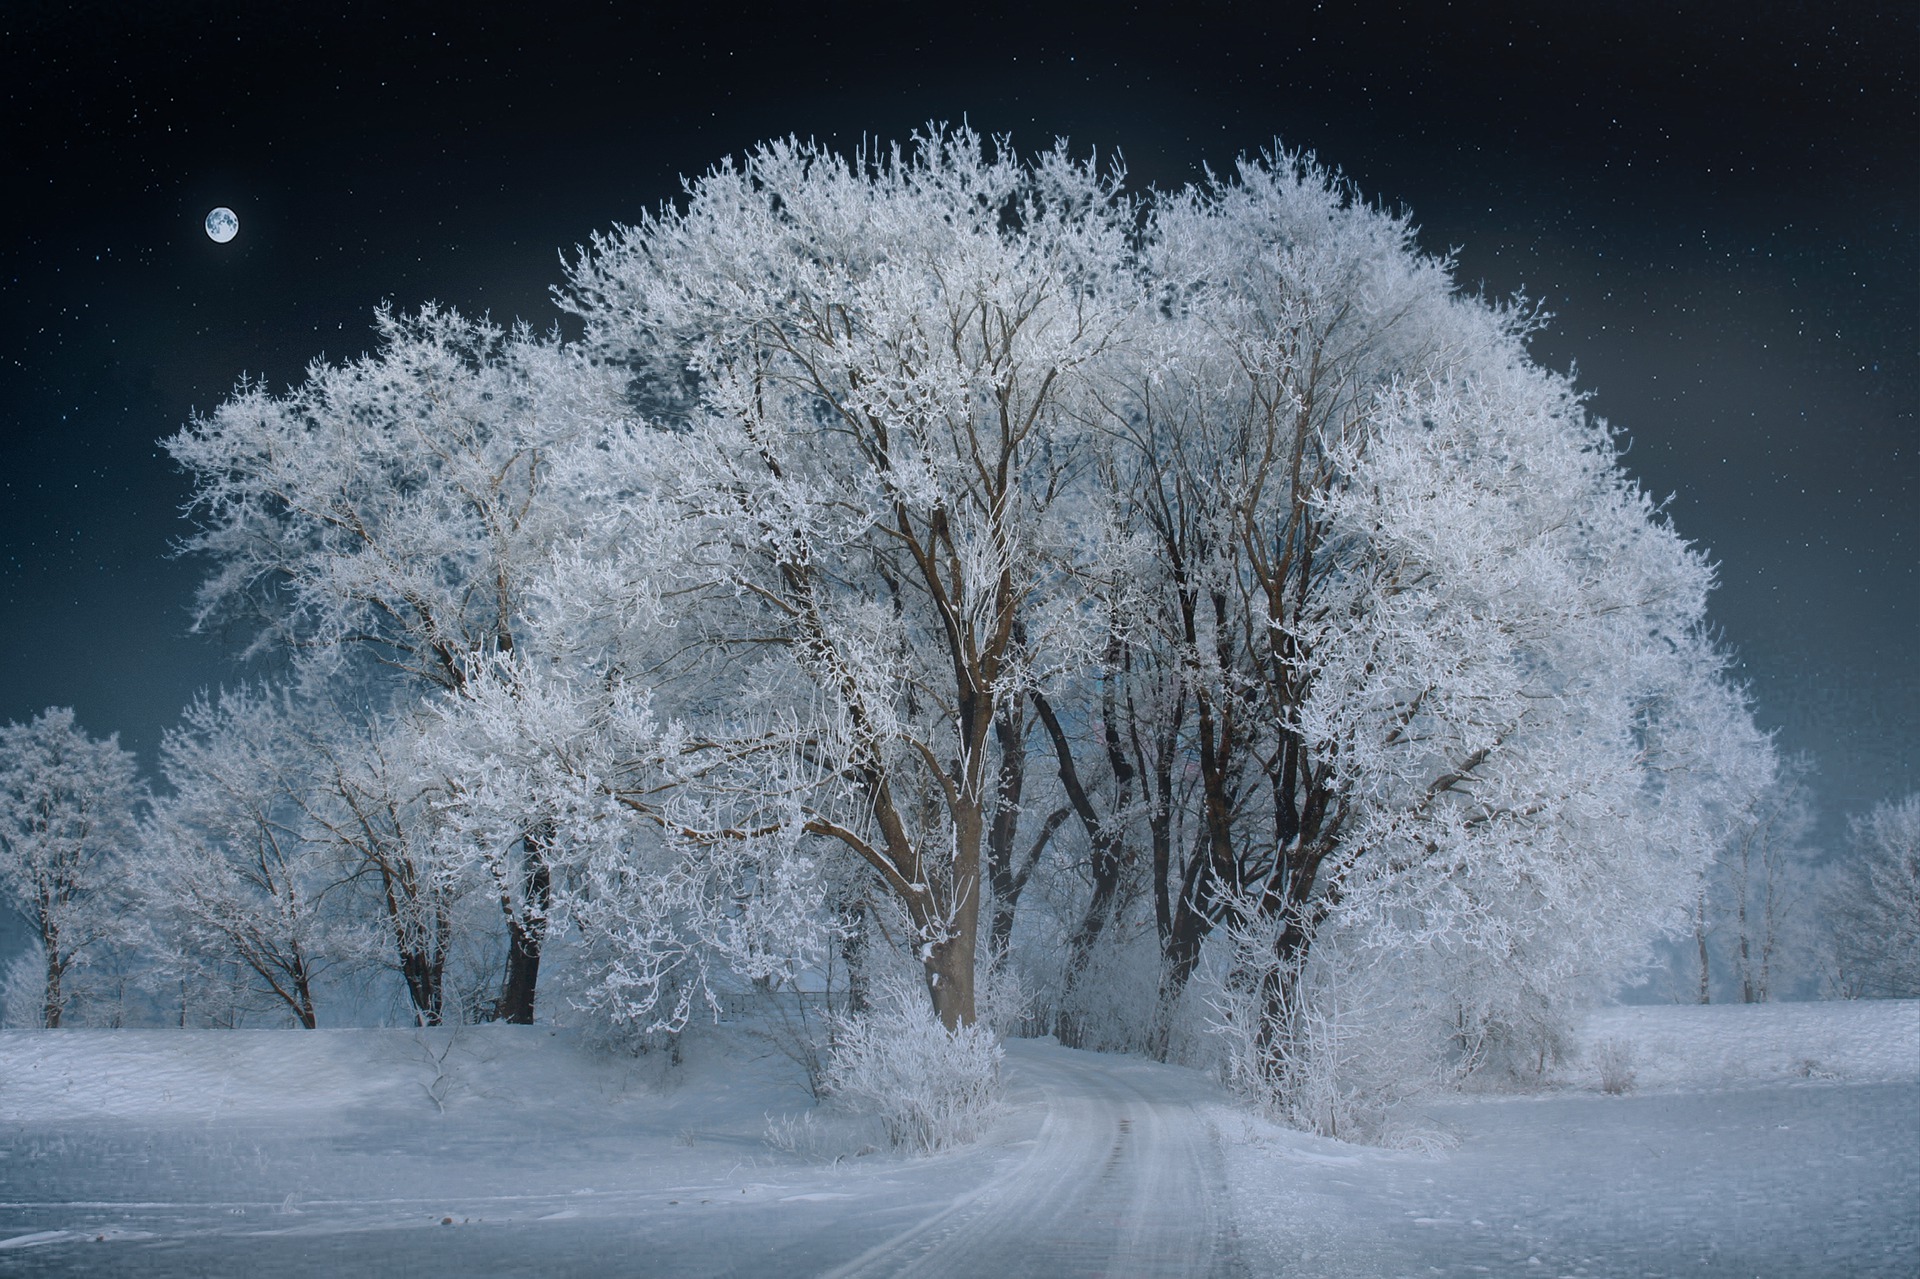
420	968
1009	729
419	939
303	995
853	953
1279	1004
1180	950
949	969
1705	995
1747	995
50	1013
1070	1028
1104	839
526	933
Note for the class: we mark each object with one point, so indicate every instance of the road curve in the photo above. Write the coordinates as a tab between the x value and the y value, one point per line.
1121	1175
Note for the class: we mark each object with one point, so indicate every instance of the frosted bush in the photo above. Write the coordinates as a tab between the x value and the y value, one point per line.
1004	1003
23	990
930	1088
818	1137
1613	1061
1350	1050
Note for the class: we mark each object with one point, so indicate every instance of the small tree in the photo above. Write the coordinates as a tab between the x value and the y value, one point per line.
367	805
233	877
68	808
1747	922
382	521
1873	908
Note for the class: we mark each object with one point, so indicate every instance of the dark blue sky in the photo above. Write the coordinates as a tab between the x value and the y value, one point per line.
1720	208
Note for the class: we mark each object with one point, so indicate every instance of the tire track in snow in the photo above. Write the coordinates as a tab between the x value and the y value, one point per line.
1123	1177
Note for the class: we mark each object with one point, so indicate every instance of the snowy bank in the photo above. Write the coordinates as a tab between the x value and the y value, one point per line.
1701	1046
1770	1139
169	1075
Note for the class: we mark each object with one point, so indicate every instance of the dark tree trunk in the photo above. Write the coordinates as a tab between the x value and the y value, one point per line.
1194	911
1160	818
1748	993
1106	841
50	1012
420	940
303	993
1279	985
1705	995
853	953
421	968
1010	731
526	934
950	980
1070	1027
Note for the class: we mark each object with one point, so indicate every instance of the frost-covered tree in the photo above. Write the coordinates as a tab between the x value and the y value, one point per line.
299	839
1532	743
1399	654
374	811
1313	587
575	756
1750	925
881	371
1873	906
69	808
381	522
1284	306
230	873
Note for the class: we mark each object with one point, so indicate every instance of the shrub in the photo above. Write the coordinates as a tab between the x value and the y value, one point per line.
930	1088
1613	1060
1348	1054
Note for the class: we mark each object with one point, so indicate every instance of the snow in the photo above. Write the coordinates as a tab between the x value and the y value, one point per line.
1772	1140
1775	1139
1736	1045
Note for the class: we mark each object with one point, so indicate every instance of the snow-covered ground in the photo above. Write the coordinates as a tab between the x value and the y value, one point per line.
1756	1140
1775	1140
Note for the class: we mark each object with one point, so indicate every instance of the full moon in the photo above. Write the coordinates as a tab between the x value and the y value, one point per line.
222	225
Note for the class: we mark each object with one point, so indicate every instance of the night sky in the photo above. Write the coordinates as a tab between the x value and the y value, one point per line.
1720	208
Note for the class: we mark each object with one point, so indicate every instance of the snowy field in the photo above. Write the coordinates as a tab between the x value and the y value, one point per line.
1774	1140
1756	1140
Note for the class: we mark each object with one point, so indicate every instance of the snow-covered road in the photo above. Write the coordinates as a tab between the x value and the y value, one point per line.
1121	1175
